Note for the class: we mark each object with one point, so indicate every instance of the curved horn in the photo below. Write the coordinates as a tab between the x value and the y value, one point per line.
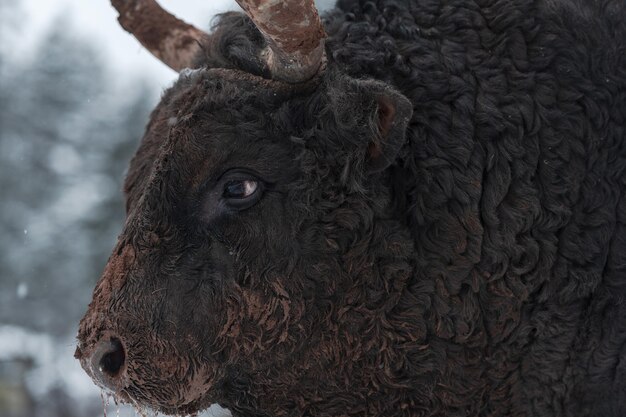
294	34
292	28
171	40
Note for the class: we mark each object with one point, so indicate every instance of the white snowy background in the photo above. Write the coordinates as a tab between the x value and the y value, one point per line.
75	94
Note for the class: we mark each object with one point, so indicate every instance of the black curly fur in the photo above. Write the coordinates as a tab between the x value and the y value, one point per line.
481	271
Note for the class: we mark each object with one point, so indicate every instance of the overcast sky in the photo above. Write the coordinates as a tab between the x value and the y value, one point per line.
97	20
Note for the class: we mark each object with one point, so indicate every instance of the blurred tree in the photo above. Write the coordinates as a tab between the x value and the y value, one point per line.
65	137
10	15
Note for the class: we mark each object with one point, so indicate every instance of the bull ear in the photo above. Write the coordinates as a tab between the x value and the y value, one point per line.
392	114
372	118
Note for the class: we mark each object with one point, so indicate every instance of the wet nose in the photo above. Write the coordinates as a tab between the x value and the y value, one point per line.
107	362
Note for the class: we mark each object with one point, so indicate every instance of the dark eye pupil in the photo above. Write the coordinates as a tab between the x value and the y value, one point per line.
239	189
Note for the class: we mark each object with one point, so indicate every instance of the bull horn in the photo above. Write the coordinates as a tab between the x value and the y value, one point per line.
292	29
168	38
295	37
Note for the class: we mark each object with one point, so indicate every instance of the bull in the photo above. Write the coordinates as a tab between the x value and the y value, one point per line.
410	208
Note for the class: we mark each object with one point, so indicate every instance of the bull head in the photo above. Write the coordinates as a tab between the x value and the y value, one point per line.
258	205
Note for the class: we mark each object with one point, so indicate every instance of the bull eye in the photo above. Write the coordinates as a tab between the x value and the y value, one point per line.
240	189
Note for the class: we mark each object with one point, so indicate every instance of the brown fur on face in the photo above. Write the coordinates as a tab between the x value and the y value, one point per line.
201	295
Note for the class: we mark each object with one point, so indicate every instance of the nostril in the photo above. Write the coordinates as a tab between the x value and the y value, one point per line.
108	360
112	360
